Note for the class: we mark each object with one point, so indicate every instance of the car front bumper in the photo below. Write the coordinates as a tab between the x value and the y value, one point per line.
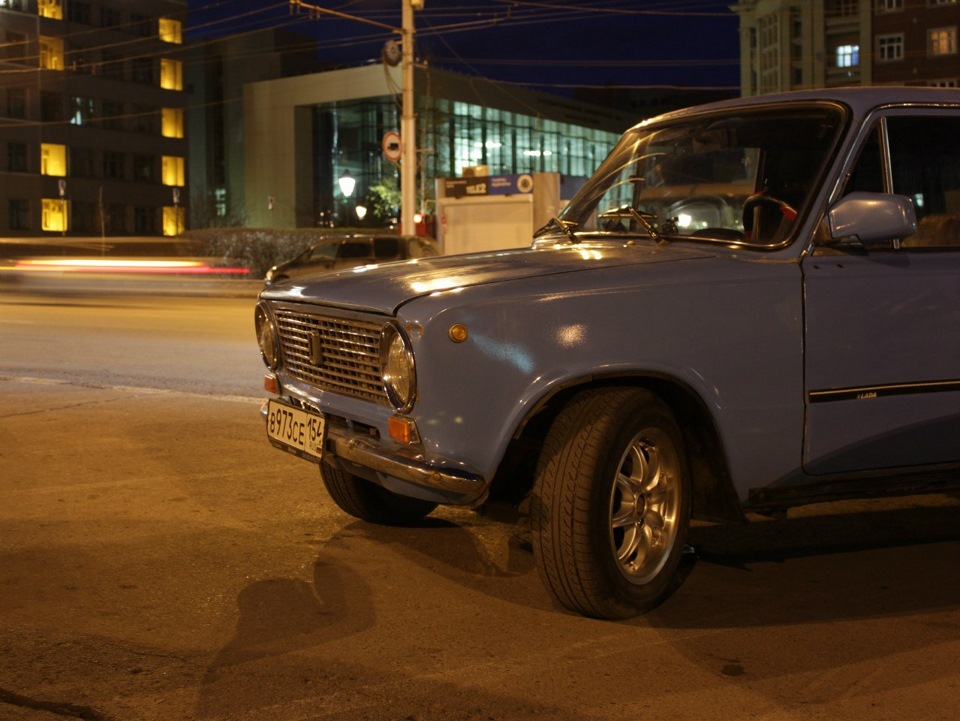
400	470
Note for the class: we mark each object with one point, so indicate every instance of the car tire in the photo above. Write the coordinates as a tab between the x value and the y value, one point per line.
370	502
611	504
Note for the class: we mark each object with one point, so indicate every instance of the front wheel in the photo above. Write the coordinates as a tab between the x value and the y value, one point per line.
369	502
611	503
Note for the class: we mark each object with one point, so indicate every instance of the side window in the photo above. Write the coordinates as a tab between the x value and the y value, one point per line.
324	251
386	248
925	164
354	249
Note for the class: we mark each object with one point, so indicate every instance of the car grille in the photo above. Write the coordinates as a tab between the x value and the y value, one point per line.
349	353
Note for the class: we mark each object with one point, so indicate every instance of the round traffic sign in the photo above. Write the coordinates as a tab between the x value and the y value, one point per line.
392	147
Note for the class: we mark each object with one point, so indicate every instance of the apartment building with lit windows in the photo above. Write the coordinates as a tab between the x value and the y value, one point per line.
92	117
915	42
802	44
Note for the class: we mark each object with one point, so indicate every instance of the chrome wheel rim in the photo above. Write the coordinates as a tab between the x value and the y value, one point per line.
644	505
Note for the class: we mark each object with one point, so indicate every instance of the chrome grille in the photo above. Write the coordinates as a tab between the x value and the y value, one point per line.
349	353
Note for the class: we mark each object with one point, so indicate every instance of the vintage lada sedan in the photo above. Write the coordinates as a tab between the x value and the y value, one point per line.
751	305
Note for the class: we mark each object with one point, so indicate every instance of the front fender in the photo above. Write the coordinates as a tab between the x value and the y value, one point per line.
735	342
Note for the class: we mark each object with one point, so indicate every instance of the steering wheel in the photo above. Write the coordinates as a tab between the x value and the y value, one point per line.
762	201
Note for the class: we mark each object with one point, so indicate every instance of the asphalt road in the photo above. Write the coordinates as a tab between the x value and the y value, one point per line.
160	561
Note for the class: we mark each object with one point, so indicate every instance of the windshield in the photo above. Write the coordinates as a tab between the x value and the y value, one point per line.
738	177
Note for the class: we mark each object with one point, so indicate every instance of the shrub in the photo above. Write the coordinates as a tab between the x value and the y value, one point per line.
256	248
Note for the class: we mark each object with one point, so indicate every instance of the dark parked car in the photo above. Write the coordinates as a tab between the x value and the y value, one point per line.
751	305
350	251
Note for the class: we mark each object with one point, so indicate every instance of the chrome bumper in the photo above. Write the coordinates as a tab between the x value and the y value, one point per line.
396	469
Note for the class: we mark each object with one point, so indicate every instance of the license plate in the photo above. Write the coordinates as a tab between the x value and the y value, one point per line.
297	430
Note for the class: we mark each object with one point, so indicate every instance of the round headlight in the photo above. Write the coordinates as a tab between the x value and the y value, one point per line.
267	336
397	368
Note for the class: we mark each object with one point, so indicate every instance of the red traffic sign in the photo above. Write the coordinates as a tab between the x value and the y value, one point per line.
392	149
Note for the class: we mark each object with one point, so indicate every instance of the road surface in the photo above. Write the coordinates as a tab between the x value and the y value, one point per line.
160	561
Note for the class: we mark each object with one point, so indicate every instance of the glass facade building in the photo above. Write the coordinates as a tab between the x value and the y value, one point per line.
302	134
453	137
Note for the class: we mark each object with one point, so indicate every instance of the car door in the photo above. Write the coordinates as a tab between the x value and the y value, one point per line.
882	345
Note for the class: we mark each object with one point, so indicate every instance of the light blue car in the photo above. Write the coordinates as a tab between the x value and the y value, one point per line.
752	305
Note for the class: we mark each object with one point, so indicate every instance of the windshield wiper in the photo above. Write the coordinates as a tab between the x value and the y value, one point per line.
568	227
646	220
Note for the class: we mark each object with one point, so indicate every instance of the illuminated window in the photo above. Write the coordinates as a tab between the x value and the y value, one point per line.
54	214
172	170
942	41
173	220
50	9
171	31
848	56
220	202
171	74
53	159
51	53
81	110
172	123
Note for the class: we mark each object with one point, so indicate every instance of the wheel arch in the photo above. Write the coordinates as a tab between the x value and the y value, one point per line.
714	497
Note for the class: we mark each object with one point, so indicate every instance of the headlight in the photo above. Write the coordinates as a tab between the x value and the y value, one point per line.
267	336
397	368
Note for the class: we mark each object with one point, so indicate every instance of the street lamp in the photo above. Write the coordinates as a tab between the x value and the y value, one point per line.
347	183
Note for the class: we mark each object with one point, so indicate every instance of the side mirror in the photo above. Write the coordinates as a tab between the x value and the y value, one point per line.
874	219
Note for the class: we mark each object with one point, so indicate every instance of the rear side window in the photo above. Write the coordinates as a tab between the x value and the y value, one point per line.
924	154
925	167
355	249
386	248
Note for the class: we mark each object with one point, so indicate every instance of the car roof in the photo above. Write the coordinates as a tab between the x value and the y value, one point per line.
861	100
365	236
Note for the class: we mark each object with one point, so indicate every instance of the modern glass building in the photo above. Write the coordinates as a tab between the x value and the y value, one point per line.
302	134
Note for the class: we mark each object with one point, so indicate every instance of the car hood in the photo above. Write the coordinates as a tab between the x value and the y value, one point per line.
384	288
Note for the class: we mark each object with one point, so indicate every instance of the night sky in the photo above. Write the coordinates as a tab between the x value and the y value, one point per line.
555	45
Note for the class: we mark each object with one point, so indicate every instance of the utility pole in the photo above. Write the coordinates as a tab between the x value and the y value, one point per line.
408	124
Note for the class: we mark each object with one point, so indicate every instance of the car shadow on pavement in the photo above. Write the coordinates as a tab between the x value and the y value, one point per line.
304	640
820	568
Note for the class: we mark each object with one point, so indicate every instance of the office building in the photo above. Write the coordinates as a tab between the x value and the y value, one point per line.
302	134
92	117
